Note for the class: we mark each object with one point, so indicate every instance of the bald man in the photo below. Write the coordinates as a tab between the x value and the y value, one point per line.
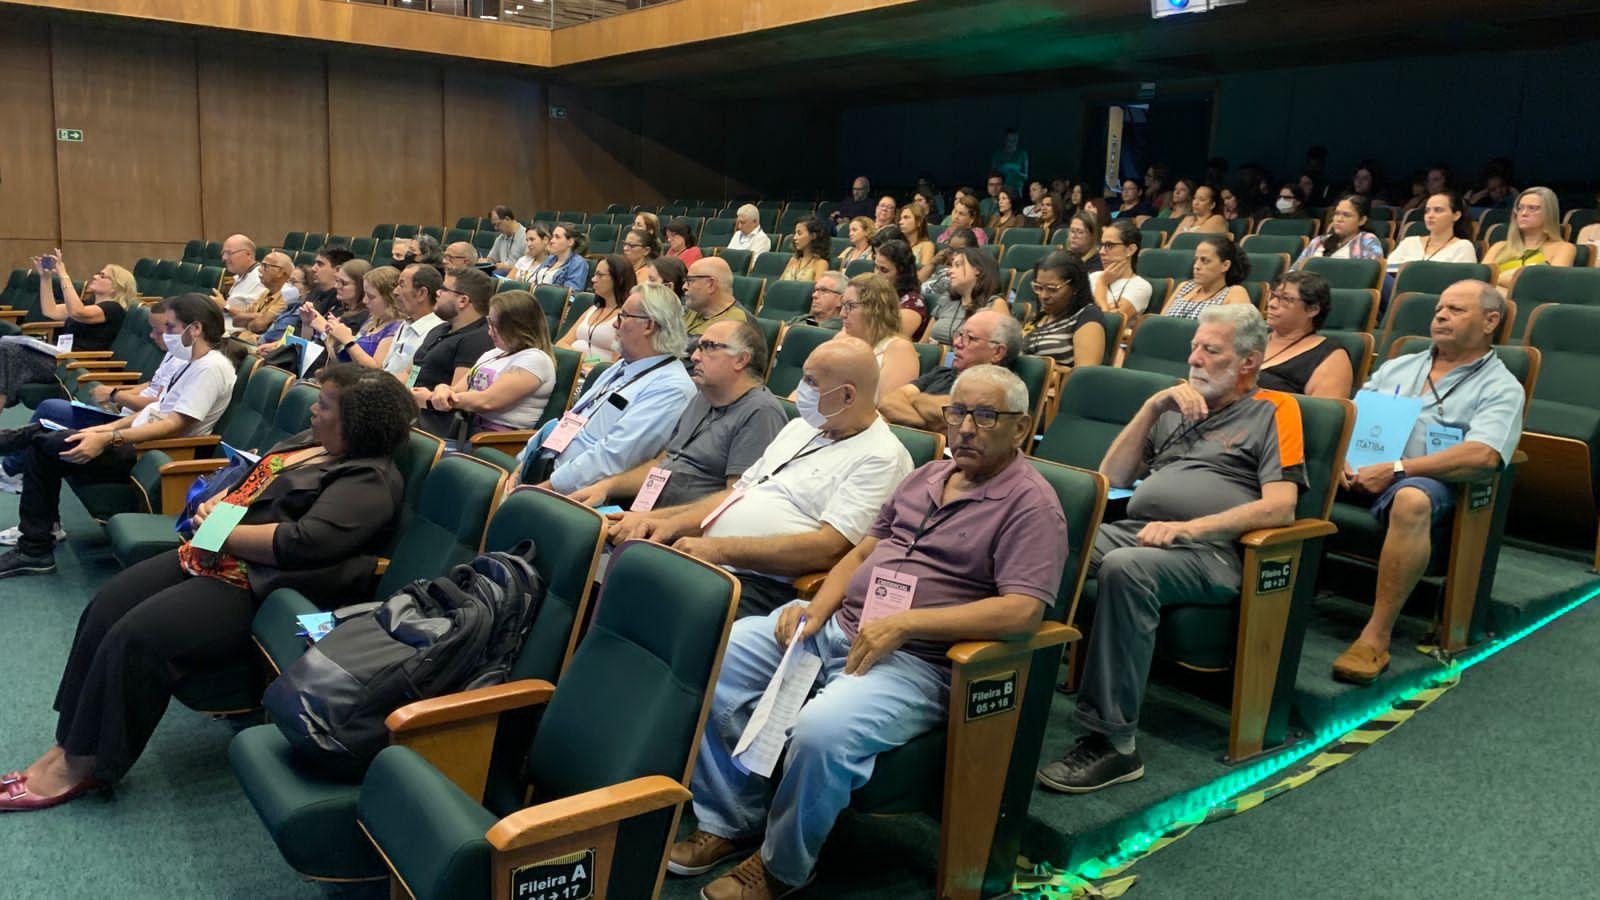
241	285
256	318
460	255
811	496
708	297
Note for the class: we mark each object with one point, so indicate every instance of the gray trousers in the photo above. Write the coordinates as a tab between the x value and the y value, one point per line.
1134	584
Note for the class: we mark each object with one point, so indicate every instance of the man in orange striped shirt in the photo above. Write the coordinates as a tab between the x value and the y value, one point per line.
1212	458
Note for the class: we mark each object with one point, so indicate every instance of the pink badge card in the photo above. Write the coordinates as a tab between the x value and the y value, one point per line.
564	432
651	491
888	592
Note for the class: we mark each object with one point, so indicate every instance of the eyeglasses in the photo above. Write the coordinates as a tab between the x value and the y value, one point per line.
450	256
1047	287
624	314
1281	297
706	346
982	416
628	246
689	278
850	305
1105	244
966	337
819	289
445	290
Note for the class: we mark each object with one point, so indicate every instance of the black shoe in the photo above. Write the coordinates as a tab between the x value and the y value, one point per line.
15	562
1091	765
14	440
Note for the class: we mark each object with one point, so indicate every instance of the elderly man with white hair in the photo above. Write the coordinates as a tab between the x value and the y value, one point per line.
241	282
628	414
1209	460
747	233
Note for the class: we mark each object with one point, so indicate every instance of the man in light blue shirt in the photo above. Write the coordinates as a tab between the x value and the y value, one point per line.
1469	425
628	415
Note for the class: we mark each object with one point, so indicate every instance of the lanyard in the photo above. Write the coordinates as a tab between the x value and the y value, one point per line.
582	405
1438	401
805	450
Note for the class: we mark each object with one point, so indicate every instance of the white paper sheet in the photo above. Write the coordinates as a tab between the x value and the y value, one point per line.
768	729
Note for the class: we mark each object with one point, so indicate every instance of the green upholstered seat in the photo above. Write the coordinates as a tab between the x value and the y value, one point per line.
737	260
1023	257
1186	241
929	356
1035	374
1351	309
1432	277
1022	235
567	364
1538	285
1268	267
783	300
768	265
1097	402
1175	264
1289	244
1348	273
580	303
924	446
1410	315
747	291
789	366
1161	344
1304	228
553	300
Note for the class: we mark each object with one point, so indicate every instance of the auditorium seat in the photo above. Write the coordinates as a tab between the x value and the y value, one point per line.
576	307
553	300
602	237
383	232
613	783
405	231
857	267
1161	344
1175	264
384	249
1431	277
1561	429
363	248
1411	314
1095	404
1538	285
482	241
1352	309
788	366
194	251
1022	235
1154	231
1359	346
210	279
1186	242
457	235
737	260
771	332
434	231
1348	273
768	265
1023	257
1266	268
783	300
314	241
1301	228
747	291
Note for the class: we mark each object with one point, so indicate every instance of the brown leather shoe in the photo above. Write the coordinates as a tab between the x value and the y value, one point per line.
699	853
748	881
1360	663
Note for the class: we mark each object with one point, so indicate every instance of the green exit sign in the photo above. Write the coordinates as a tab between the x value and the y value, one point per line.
73	135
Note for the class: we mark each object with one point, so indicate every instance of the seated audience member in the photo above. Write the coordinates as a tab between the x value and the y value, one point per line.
1312	192
429	251
1298	360
1472	410
669	271
1417	195
1291	202
914	231
987	338
1067	327
448	353
1220	268
259	316
812	247
627	415
369	345
460	255
1174	204
1532	239
298	286
708	297
1449	237
402	252
1365	181
936	274
682	244
1347	238
190	405
536	250
1231	207
860	233
1036	191
241	284
962	193
973	280
722	432
1203	216
1049	211
509	385
93	324
872	316
510	243
808	499
1007	214
990	201
885	678
323	296
565	265
859	203
320	509
1133	203
927	201
416	294
348	307
1083	238
895	263
964	214
886	213
649	223
639	247
747	233
1117	287
595	333
1212	458
1496	190
827	301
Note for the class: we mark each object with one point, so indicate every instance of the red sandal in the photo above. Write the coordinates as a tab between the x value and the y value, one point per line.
17	798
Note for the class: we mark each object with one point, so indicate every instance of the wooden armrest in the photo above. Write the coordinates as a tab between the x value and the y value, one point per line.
41	327
972	652
586	811
1301	530
381	566
806	586
181	443
110	376
13	314
84	354
501	438
177	477
107	365
1518	457
464	705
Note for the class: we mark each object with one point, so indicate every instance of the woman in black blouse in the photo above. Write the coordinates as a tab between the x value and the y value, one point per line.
92	321
1068	327
1298	360
320	508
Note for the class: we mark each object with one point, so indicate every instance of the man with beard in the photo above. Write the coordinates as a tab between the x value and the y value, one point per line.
1210	459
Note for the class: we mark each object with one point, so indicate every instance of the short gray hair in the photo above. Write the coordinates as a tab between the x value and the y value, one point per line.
746	338
1008	334
666	310
749	211
1249	329
840	282
1489	296
1016	393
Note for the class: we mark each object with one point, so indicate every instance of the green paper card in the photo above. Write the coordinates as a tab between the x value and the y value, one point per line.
214	531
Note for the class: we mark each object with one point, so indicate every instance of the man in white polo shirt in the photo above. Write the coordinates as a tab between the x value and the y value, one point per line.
747	233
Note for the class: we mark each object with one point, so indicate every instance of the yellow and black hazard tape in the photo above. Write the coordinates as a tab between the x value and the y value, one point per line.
1043	880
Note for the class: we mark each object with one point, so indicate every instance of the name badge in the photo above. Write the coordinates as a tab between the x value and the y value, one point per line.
564	432
1443	437
888	592
411	379
731	499
651	491
64	343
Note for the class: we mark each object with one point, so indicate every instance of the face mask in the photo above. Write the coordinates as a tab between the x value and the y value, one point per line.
807	400
1285	205
177	347
291	295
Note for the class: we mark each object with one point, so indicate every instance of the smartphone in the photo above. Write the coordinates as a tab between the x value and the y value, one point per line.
48	263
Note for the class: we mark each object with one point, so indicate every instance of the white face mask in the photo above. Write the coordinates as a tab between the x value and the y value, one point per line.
177	347
1285	205
807	400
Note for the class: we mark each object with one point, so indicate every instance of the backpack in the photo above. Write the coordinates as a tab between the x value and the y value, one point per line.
431	638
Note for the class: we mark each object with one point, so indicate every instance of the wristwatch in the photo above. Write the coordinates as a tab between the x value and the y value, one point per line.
1399	469
116	438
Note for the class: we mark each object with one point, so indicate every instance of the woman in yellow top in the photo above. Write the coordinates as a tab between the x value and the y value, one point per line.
915	230
859	246
811	246
1534	238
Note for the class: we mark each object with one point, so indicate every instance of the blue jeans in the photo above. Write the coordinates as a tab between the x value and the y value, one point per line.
837	738
56	410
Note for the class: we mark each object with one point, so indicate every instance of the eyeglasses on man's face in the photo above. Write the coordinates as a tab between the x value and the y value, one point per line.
982	416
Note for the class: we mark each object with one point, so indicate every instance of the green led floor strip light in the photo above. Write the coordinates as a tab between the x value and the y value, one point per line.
1217	800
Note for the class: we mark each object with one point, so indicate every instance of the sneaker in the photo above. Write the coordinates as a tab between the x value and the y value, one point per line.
699	853
748	881
10	536
15	562
1091	765
11	484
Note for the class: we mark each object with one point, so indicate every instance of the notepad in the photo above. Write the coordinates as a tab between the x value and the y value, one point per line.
308	350
214	531
1384	423
767	732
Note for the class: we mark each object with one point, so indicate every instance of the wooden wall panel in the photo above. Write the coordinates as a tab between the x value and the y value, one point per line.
493	144
682	150
84	258
385	144
27	142
263	140
135	176
594	152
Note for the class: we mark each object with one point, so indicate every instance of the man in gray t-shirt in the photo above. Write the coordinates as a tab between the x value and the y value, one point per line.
723	432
